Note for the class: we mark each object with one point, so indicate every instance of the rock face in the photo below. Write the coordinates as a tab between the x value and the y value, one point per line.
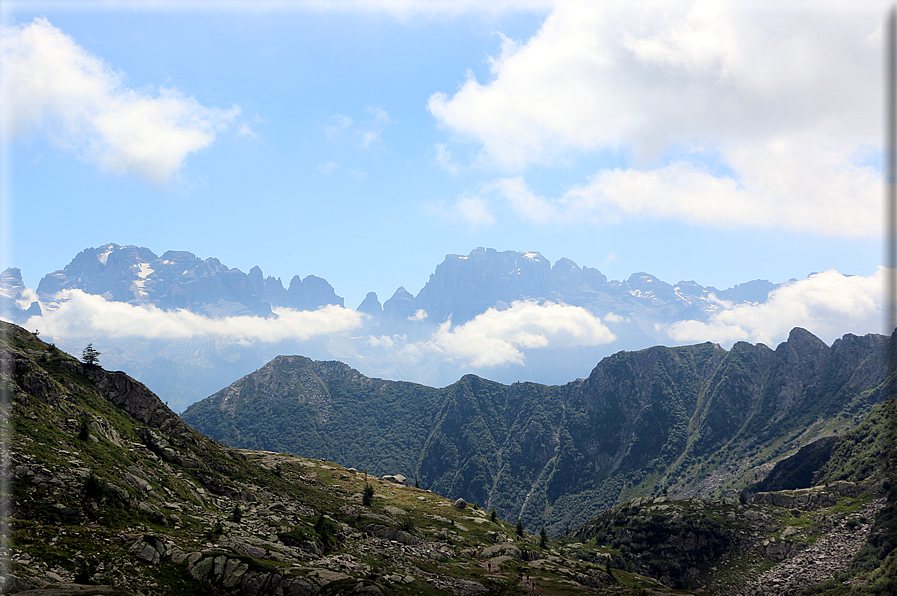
557	455
800	470
181	280
17	303
370	305
722	546
464	286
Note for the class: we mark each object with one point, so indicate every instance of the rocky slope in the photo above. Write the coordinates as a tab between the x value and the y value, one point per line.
695	421
113	493
111	489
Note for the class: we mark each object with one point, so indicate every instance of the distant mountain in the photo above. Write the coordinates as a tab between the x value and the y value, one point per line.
16	302
461	288
179	279
692	421
464	286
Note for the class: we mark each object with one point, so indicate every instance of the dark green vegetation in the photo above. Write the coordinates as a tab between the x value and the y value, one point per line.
693	421
111	488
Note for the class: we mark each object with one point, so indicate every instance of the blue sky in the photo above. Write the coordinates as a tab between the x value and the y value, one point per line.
361	141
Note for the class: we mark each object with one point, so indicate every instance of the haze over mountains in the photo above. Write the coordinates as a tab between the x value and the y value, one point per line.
190	326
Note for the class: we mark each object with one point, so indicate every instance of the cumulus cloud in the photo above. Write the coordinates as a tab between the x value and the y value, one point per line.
50	83
827	304
813	190
497	338
785	99
86	315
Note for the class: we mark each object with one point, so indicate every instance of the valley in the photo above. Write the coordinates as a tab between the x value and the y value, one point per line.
113	493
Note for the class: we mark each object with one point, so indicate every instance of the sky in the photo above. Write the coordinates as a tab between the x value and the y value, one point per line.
363	140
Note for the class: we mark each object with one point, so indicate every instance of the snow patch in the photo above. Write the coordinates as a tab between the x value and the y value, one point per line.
532	256
103	257
143	271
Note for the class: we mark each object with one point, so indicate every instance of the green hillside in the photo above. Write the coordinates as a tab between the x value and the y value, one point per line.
113	494
692	421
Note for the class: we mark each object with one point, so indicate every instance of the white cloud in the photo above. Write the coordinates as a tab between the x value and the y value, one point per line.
86	316
370	131
473	210
50	83
615	318
827	304
445	160
339	124
327	168
367	133
785	99
419	315
781	186
497	338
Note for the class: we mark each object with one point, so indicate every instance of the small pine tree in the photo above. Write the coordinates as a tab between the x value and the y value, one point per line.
367	497
543	538
493	516
519	527
237	514
83	428
90	356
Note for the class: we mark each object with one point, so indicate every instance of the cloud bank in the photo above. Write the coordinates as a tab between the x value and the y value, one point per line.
732	111
494	338
87	315
827	304
499	338
50	83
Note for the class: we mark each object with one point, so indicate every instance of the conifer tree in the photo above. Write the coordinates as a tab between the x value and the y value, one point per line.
90	355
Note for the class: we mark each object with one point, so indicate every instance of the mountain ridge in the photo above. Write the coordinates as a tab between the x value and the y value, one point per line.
693	420
114	494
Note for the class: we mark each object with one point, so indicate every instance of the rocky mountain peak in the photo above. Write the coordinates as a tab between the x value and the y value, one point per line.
370	305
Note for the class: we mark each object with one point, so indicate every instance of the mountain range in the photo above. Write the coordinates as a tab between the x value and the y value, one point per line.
690	421
393	339
114	494
462	286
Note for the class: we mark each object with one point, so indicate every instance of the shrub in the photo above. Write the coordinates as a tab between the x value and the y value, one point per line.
367	496
83	428
94	487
